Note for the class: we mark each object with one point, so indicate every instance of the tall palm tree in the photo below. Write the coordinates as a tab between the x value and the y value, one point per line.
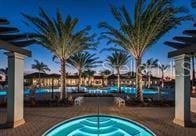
105	75
40	67
4	71
117	60
147	68
61	38
163	68
151	20
82	61
89	74
193	69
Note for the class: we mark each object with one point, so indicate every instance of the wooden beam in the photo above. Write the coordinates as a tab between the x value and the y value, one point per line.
176	45
190	32
5	30
189	40
13	37
189	50
4	21
24	43
12	48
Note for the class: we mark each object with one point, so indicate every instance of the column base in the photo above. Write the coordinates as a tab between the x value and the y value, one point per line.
182	123
15	124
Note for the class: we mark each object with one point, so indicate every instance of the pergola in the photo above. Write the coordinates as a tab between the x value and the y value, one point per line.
13	42
185	47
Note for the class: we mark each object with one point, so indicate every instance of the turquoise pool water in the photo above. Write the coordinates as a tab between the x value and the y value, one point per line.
26	92
98	125
127	90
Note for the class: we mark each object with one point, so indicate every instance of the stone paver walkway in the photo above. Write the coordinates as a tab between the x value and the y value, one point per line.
38	120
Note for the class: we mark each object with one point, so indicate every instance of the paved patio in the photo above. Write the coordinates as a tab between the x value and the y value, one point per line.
38	120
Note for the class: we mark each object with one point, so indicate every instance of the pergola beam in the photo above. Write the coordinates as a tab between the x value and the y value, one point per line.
3	21
12	37
190	32
187	40
176	45
191	49
24	43
12	48
4	30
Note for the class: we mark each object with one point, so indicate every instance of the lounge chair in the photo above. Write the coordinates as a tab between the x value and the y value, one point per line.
78	100
119	101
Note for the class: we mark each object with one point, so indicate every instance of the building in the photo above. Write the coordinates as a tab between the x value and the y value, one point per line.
48	80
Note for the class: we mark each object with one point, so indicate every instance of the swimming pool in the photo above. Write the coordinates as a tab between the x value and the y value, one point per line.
26	92
99	125
127	90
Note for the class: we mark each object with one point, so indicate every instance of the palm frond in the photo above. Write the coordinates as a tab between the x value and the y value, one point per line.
59	35
151	20
83	61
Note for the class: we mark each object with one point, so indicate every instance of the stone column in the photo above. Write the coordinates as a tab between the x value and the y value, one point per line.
15	90
182	90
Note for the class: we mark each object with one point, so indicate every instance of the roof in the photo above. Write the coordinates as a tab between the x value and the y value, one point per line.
42	75
45	75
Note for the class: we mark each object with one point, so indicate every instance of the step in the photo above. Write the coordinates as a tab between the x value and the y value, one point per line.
129	130
70	129
101	119
95	124
96	131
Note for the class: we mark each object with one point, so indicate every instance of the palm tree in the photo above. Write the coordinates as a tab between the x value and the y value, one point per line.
117	60
151	20
147	68
40	67
89	74
193	69
82	61
4	71
163	68
61	38
105	75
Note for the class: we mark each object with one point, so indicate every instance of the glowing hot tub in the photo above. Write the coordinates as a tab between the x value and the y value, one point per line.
99	125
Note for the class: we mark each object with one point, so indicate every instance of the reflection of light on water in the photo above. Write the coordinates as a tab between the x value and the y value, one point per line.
113	89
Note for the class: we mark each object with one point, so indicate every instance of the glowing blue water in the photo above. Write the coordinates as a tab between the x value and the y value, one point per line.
26	92
127	90
101	125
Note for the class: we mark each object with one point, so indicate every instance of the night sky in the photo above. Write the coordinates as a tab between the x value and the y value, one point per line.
89	12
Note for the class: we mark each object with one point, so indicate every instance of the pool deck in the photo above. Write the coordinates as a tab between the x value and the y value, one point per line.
38	120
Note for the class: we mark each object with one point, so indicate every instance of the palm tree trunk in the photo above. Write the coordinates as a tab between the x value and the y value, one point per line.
39	79
103	79
79	80
162	79
193	70
62	94
139	95
119	87
149	81
52	89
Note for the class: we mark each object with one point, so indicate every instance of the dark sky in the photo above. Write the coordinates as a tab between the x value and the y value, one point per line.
89	12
